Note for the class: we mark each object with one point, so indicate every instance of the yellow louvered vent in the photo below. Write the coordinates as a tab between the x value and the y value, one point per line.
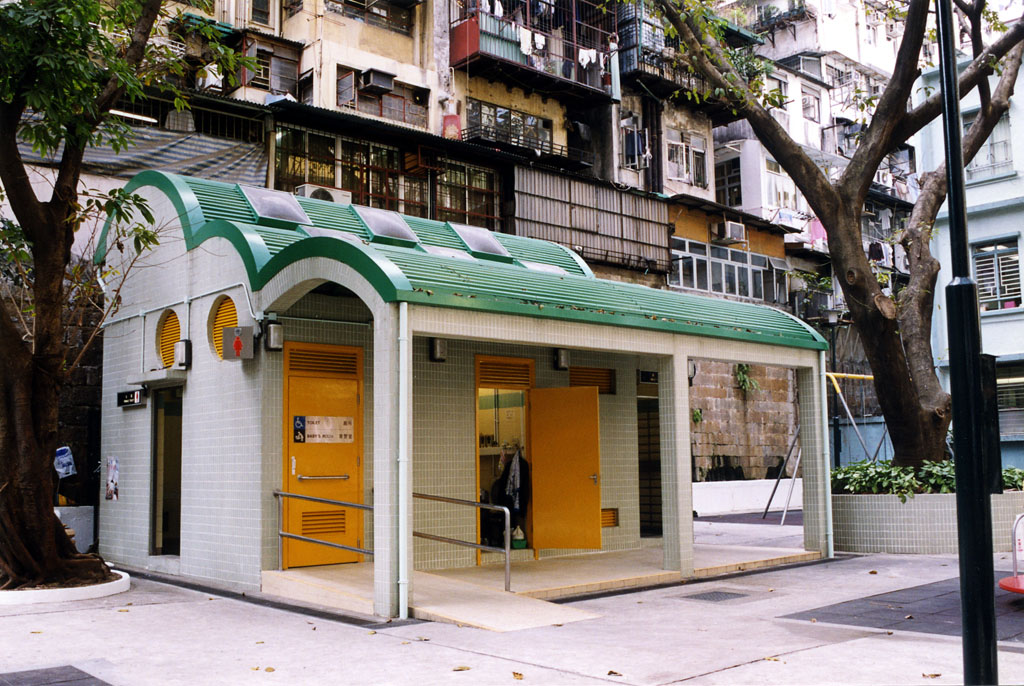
604	379
224	315
317	523
324	361
609	517
504	372
167	335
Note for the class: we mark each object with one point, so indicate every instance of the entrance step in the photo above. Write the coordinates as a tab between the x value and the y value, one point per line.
435	598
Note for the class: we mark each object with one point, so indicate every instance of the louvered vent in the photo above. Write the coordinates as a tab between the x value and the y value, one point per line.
609	517
317	523
324	361
604	379
505	373
224	316
167	336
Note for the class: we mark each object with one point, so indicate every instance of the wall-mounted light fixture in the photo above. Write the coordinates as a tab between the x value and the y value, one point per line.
182	354
691	369
273	335
438	350
561	358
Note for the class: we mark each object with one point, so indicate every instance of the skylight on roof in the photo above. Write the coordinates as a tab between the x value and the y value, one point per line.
275	208
386	225
480	241
448	252
542	267
318	232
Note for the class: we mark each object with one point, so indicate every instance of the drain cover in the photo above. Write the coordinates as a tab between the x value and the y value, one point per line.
714	596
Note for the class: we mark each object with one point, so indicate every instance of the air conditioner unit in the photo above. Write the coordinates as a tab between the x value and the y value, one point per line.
315	192
210	79
727	233
376	81
893	29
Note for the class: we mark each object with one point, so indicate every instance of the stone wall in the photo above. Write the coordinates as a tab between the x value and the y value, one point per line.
79	422
741	435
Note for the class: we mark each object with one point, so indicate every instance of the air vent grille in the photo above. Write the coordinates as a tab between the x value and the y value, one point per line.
324	361
320	522
505	373
604	379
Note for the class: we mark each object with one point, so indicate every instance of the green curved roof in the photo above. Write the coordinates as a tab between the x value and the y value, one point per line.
542	279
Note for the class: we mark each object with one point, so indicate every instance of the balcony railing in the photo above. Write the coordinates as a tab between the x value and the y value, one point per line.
564	43
644	61
543	149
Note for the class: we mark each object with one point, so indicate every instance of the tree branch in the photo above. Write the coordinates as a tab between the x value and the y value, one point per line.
979	68
707	57
27	209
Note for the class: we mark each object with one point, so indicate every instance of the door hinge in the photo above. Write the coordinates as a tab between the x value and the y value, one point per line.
359	460
359	543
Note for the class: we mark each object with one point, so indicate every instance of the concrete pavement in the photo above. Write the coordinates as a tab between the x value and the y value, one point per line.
727	631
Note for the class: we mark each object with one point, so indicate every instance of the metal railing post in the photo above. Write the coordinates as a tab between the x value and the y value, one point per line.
280	530
508	551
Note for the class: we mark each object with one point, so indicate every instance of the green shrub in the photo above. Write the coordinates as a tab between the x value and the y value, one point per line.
932	477
875	477
1013	479
937	477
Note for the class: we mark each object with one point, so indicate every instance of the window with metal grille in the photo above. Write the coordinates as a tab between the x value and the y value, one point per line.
687	161
701	267
378	13
277	66
505	125
404	103
468	195
997	272
603	378
260	12
168	333
224	315
996	154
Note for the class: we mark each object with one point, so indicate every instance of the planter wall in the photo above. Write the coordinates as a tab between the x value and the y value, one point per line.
925	524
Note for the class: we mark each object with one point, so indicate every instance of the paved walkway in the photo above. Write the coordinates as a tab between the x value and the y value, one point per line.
738	630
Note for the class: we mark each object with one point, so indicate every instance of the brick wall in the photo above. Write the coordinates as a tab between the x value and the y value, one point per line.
741	435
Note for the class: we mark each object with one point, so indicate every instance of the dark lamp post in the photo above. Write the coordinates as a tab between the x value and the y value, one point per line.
973	506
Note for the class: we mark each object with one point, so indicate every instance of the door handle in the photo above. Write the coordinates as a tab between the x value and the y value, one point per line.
593	477
326	477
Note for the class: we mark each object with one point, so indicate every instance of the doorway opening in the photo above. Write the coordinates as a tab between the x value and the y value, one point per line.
165	526
649	460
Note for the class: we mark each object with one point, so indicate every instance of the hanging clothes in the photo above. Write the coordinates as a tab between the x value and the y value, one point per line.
525	41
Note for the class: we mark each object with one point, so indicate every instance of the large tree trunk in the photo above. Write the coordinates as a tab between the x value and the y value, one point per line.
33	545
896	341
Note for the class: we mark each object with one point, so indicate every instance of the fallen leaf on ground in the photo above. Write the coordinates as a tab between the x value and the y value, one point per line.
909	617
813	620
461	668
269	669
405	643
122	610
371	632
35	632
517	676
612	672
772	659
258	642
255	669
771	590
931	676
873	571
420	638
888	633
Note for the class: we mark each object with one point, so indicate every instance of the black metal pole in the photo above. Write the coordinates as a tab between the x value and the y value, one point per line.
973	506
837	434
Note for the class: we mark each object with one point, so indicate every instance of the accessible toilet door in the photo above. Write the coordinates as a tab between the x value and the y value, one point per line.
323	454
565	459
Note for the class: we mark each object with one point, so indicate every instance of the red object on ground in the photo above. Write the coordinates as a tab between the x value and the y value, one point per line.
1013	584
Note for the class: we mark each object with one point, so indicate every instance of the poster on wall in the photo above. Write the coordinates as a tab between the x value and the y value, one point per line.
112	476
323	429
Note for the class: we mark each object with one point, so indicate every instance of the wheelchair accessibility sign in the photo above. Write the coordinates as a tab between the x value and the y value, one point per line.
323	429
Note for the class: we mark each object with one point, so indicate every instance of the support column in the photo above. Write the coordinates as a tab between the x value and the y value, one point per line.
676	483
814	461
385	462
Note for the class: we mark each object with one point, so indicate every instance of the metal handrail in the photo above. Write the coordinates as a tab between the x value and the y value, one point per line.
282	534
477	546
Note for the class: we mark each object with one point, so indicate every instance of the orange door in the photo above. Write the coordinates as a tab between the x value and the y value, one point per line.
565	467
323	459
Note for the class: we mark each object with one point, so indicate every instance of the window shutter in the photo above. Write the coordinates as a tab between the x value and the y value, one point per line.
504	372
1009	275
168	334
604	379
224	316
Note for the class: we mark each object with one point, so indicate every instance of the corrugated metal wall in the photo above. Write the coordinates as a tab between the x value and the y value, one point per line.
603	224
